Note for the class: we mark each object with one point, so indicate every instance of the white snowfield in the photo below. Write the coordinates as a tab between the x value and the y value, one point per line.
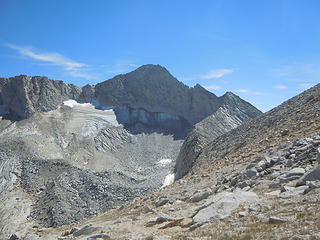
168	180
87	120
72	103
164	161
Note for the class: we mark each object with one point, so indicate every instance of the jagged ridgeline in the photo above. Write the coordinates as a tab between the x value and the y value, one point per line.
150	96
69	152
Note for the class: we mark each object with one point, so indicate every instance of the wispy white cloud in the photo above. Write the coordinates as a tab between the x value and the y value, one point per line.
73	68
297	71
259	93
186	79
121	66
242	90
213	74
212	87
282	87
217	73
250	92
300	76
305	86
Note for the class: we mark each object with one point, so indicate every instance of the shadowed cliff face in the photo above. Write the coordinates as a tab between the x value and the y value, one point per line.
138	120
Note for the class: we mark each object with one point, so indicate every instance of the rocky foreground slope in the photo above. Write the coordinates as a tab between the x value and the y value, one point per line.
260	181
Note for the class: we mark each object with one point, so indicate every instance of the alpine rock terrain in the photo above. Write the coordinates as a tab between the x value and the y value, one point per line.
70	153
260	180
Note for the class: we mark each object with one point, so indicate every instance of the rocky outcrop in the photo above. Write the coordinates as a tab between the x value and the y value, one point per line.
289	170
69	194
23	95
233	112
220	206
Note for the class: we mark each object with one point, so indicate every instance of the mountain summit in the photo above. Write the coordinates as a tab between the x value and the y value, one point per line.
154	89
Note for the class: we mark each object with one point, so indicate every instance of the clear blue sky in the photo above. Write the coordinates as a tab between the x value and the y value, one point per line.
264	51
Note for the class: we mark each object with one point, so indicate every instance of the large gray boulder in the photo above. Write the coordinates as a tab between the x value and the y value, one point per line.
221	205
313	175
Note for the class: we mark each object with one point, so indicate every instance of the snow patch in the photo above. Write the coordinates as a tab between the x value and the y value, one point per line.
89	118
72	103
164	161
168	180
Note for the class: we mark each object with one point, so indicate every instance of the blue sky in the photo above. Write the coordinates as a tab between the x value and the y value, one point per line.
264	51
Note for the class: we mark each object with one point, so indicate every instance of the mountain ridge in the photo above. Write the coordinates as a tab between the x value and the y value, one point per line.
150	87
230	115
261	131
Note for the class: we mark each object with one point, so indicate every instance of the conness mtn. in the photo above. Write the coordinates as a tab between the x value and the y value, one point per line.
68	152
149	95
142	155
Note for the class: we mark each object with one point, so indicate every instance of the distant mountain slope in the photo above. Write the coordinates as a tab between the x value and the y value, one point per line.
295	118
233	112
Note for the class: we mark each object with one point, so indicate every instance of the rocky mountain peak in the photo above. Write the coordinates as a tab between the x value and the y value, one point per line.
147	74
229	94
148	89
151	68
153	88
198	88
